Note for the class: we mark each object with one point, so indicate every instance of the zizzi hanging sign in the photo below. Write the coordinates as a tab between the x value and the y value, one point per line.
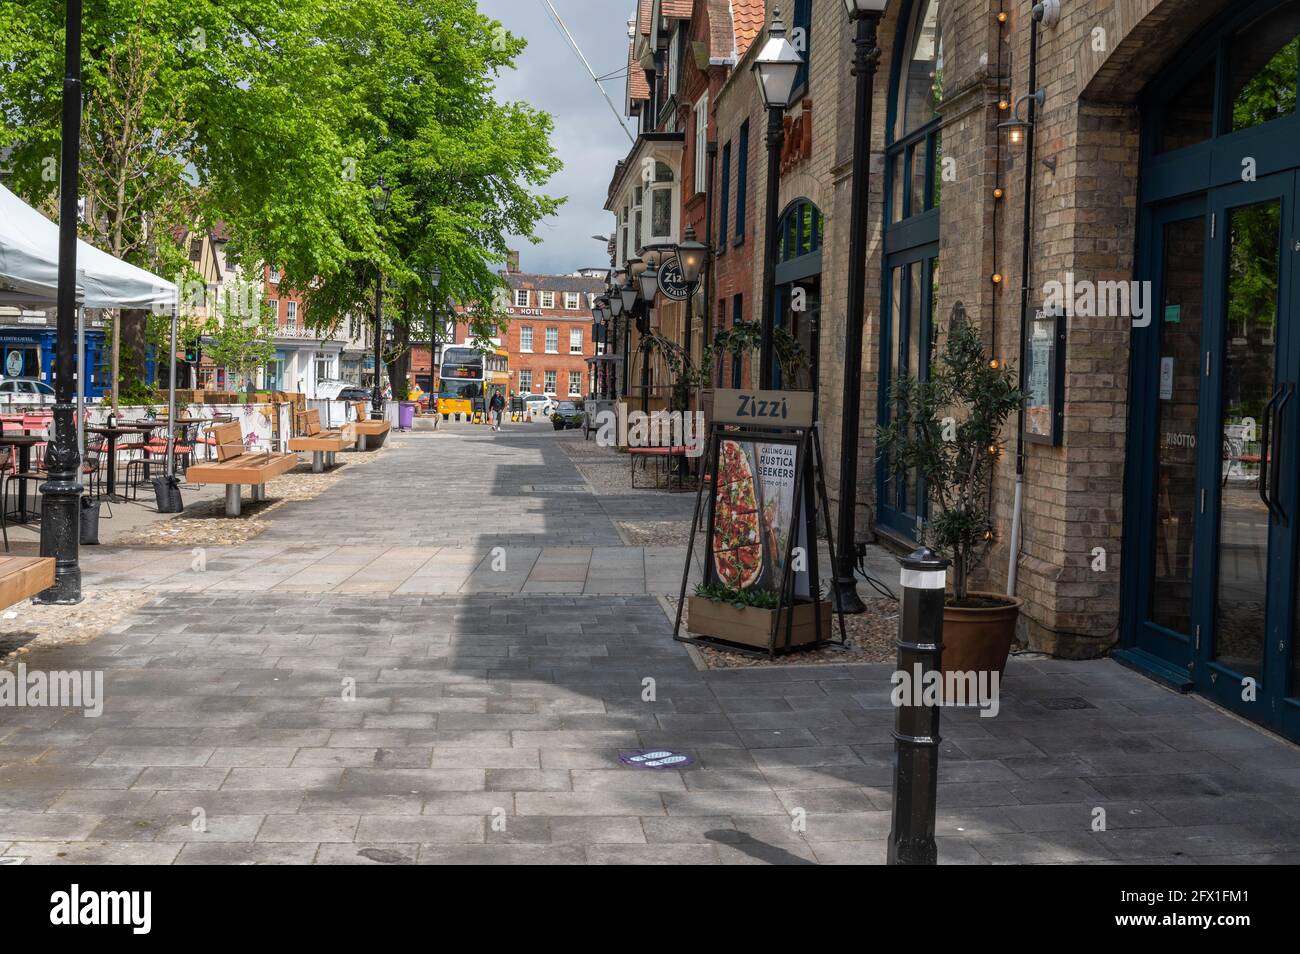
671	281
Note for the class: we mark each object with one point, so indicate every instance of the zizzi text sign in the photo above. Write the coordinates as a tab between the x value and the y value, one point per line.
763	408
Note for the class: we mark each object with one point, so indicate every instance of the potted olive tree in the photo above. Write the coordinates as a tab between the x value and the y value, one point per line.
947	430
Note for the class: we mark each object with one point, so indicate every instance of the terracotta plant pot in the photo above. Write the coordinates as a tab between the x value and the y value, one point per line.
978	639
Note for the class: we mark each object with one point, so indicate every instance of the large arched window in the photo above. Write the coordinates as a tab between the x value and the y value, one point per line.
911	257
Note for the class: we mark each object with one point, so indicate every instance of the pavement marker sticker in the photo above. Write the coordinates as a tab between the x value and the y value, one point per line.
656	759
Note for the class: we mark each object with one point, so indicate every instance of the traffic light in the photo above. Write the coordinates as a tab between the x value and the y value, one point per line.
193	353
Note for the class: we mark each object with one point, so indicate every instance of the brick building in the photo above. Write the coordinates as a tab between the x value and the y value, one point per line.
1162	147
548	334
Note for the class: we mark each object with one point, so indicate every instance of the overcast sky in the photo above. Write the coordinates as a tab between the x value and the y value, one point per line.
587	137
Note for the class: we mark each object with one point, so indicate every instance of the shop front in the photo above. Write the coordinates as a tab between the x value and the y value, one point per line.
1213	497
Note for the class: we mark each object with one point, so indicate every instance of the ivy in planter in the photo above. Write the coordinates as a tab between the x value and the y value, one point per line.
719	593
947	428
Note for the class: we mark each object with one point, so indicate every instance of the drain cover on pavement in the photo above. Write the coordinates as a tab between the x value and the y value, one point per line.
656	759
1066	702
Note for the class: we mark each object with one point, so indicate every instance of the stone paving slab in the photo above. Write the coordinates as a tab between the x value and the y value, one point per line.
338	697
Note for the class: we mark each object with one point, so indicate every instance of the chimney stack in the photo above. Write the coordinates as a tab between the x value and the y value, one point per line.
512	262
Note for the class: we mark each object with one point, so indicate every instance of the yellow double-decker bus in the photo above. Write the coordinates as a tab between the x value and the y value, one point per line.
467	379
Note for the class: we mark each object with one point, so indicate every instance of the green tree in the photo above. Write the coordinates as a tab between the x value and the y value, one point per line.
946	429
464	169
275	119
239	335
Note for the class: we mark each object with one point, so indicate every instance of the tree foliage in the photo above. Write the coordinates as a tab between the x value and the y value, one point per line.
276	119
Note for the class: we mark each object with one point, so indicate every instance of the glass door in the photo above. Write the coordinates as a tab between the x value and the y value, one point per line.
1250	420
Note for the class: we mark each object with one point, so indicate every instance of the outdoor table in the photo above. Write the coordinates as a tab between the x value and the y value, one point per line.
113	433
24	443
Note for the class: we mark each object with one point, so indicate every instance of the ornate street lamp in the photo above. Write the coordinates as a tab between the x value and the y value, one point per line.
691	256
776	69
866	14
60	514
381	193
649	282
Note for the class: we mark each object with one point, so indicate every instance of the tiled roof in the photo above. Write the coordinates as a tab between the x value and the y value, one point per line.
637	87
747	16
680	9
555	283
645	9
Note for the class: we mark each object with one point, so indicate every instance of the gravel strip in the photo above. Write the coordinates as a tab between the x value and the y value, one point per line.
656	533
206	523
26	626
870	637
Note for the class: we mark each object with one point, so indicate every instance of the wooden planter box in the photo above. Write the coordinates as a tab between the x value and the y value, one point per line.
752	627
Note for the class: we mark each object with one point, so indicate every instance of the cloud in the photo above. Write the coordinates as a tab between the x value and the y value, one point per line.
550	76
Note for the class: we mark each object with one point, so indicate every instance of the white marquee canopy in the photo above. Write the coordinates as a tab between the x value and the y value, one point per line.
29	266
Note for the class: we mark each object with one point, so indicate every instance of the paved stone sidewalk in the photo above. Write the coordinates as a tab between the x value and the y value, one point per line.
350	727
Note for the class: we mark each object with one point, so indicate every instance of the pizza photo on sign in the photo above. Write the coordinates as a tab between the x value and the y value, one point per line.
737	540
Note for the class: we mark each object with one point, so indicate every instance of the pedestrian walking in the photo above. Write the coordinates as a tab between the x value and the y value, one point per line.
497	405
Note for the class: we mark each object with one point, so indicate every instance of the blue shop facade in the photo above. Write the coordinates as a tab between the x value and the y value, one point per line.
28	352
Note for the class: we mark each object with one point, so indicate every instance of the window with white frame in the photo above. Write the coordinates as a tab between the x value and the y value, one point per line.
575	383
575	341
572	300
662	198
701	140
522	298
291	313
275	276
274	305
526	380
548	380
548	299
552	340
324	366
526	338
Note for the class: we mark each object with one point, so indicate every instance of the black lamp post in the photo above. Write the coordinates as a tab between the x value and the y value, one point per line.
691	256
435	280
648	285
60	517
631	293
382	193
866	14
776	69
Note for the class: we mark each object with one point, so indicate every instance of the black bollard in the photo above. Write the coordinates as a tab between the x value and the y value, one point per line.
916	733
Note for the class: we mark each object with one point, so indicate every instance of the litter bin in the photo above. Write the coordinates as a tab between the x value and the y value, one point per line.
406	415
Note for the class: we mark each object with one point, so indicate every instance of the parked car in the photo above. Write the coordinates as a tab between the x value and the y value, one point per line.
566	414
25	391
539	405
335	390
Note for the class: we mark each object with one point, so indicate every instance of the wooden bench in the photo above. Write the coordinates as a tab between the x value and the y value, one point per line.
370	434
322	444
23	577
236	465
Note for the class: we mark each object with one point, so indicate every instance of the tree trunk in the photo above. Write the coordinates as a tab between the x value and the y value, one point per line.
131	340
400	366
